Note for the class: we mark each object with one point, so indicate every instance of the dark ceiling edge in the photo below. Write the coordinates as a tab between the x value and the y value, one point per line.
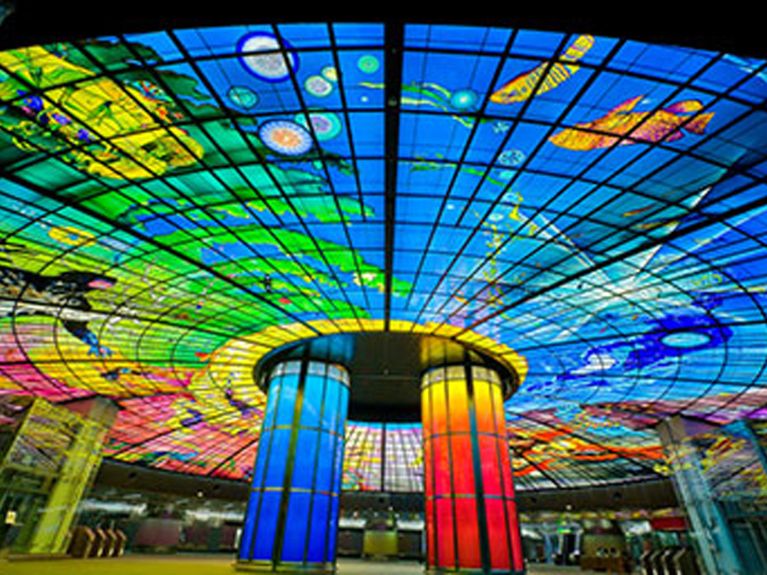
134	477
44	21
636	494
647	494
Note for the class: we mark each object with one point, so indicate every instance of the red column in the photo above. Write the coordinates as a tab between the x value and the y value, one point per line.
471	515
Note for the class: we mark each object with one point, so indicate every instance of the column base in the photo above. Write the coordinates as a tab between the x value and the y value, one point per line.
285	567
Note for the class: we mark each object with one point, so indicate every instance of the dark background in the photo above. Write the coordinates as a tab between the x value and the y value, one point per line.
733	26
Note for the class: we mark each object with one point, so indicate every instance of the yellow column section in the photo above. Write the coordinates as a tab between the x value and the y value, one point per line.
82	461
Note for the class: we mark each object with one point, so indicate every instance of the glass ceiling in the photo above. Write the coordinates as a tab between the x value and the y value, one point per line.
172	202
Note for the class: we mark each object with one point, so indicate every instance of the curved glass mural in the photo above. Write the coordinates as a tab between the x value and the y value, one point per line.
596	204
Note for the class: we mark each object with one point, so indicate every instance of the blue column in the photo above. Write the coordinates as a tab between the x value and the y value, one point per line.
292	517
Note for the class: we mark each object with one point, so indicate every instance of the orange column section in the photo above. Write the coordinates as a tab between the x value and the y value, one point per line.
471	518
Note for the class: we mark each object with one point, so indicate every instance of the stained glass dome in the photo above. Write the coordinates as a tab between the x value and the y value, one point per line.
177	204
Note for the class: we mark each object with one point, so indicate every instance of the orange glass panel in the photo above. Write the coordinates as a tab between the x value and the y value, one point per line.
426	418
483	407
438	408
459	406
500	414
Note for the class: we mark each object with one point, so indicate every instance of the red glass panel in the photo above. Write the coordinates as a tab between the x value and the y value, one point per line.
517	561
430	541
508	484
491	474
463	469
449	461
497	533
468	533
427	467
441	462
445	540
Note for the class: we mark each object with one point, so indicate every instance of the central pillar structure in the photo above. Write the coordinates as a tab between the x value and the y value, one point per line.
292	517
456	389
471	514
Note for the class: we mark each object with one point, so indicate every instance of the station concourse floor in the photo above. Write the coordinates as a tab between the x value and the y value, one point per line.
215	565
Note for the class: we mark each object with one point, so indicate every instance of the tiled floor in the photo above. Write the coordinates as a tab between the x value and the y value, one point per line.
354	567
214	565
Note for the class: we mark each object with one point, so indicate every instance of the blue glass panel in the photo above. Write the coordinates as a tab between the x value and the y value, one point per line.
325	469
305	35
354	34
278	457
306	449
339	456
297	524
272	401
287	400
310	409
331	413
266	526
248	529
319	528
331	547
343	409
261	457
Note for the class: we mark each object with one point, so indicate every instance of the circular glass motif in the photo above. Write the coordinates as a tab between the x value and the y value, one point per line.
330	73
285	137
242	97
326	125
511	158
464	99
686	339
368	64
318	86
271	66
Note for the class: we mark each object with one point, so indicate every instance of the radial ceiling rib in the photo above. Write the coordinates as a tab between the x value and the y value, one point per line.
392	94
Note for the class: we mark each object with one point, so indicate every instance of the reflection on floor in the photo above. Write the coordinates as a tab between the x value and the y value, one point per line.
213	565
